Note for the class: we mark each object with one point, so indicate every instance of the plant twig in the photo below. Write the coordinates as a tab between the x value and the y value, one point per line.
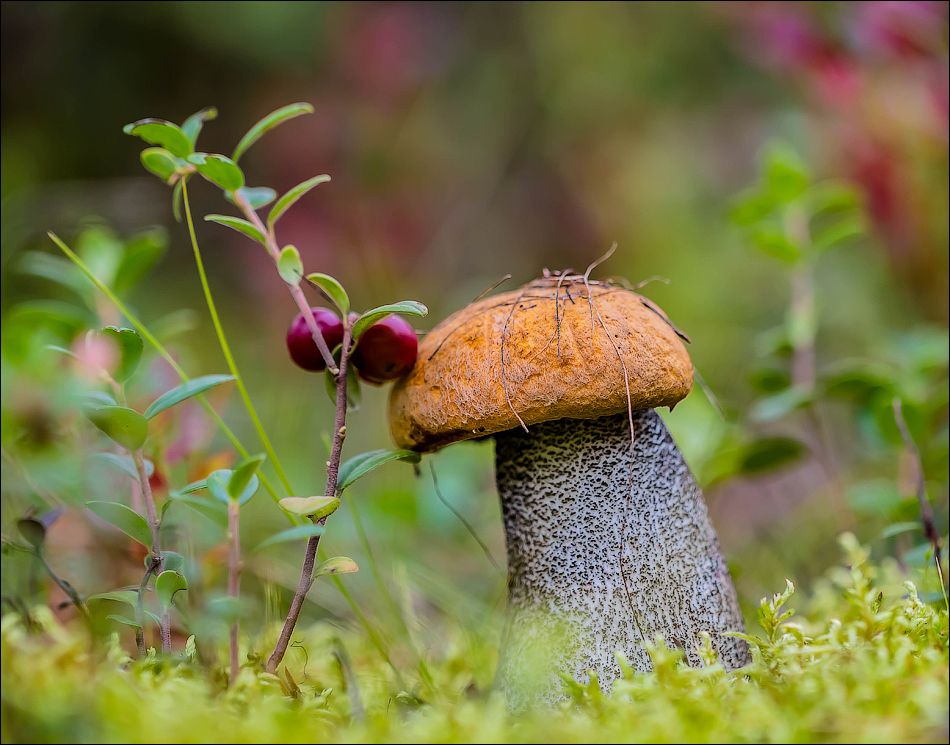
234	582
63	585
926	509
333	468
140	605
295	292
158	561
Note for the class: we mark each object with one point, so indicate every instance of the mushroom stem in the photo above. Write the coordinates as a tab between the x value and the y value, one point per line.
608	547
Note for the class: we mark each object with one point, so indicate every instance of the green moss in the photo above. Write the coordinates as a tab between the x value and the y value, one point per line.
866	662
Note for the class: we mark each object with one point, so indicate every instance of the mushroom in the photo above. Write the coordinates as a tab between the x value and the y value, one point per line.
608	538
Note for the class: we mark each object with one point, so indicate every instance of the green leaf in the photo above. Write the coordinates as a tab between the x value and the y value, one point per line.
786	175
333	290
826	237
314	507
55	269
405	307
266	124
57	312
124	620
194	387
243	474
142	251
33	531
360	465
171	560
218	169
130	346
176	199
833	196
288	199
212	510
336	565
256	196
219	486
773	242
162	133
774	407
193	124
750	208
898	528
159	161
227	608
241	226
289	265
875	497
125	464
125	519
193	487
770	453
169	584
128	597
122	424
291	534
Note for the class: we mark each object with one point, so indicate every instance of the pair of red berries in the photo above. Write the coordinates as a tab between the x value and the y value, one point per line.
385	351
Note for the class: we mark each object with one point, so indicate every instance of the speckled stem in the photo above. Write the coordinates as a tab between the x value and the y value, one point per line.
607	547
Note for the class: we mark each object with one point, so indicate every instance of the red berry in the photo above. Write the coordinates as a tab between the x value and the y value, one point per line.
303	350
386	350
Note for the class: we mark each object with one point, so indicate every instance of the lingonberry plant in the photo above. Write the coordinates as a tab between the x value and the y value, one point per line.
318	340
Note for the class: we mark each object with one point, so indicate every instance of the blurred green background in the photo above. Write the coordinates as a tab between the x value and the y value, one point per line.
467	141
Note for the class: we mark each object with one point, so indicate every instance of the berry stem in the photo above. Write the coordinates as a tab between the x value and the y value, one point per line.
333	470
295	292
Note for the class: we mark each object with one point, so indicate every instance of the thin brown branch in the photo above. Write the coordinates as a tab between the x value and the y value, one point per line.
926	509
295	292
333	470
234	583
154	525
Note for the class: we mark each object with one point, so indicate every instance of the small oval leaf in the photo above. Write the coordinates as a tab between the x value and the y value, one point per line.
125	519
287	200
256	196
289	265
162	133
130	346
128	597
169	584
189	389
291	534
243	475
332	289
159	161
193	124
125	621
123	425
33	531
241	226
219	486
405	307
218	169
266	124
125	464
315	507
336	565
360	465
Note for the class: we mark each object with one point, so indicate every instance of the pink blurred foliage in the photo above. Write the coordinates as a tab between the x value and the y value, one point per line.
874	78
